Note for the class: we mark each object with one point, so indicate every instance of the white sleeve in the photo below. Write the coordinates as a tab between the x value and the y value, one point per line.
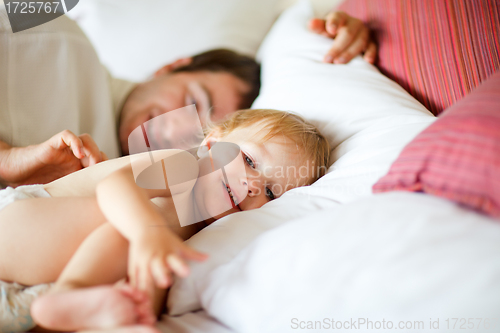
51	79
120	89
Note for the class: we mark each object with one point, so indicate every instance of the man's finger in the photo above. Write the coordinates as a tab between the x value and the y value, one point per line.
357	46
68	139
104	157
371	53
344	39
91	149
335	20
318	26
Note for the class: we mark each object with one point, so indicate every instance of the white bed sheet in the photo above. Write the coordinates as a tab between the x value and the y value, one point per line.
193	322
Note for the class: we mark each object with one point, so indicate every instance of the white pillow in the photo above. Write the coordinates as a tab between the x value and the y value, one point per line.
225	238
135	38
398	257
366	116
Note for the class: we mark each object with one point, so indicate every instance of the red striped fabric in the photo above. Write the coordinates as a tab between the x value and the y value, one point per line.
458	156
438	50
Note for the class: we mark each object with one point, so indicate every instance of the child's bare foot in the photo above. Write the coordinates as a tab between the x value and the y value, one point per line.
93	308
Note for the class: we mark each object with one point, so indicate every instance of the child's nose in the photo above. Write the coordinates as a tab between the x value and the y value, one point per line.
239	187
255	187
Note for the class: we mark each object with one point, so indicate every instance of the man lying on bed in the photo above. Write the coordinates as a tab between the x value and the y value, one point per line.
55	101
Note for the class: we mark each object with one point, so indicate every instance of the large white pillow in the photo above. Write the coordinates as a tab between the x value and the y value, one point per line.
134	38
225	238
400	257
367	117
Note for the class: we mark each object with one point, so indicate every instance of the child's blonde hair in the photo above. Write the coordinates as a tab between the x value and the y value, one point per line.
273	122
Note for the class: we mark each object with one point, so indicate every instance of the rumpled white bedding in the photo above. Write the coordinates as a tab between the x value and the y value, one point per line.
192	322
397	256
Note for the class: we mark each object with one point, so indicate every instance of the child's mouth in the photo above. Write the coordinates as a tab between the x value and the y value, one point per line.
233	200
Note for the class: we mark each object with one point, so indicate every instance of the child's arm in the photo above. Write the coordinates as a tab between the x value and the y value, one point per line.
154	249
84	182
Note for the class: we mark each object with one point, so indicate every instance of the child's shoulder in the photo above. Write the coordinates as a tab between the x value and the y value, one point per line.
175	167
83	182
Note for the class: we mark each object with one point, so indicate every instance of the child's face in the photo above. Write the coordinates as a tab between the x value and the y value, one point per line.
260	173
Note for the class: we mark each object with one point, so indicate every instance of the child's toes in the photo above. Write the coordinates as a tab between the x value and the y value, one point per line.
145	315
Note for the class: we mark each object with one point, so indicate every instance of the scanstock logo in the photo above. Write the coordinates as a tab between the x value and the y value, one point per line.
28	14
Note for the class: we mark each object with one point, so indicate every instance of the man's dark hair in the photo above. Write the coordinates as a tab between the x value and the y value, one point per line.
223	60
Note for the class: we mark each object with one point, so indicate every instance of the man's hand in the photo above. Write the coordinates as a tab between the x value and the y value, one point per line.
351	36
62	154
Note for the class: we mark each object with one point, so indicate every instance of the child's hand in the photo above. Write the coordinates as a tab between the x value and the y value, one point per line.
156	255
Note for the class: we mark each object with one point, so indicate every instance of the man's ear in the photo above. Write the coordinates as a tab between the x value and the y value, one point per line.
174	65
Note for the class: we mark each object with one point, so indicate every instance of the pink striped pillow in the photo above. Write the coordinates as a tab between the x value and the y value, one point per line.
437	50
458	156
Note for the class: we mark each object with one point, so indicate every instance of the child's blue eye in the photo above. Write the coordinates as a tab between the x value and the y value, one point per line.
270	194
249	161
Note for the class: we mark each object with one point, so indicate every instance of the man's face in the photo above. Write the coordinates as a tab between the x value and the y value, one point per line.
216	94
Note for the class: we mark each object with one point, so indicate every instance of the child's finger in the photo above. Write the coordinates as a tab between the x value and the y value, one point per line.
177	265
138	296
145	278
133	275
143	308
160	273
145	314
125	289
191	254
